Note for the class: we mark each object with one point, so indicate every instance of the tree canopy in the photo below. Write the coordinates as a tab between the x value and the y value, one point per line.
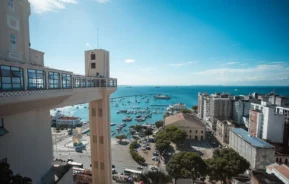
137	128
148	132
6	176
155	177
195	108
186	111
226	163
186	165
159	123
120	137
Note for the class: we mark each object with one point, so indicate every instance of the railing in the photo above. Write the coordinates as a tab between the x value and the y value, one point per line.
32	78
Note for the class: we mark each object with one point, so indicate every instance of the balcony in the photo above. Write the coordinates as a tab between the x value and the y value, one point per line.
26	84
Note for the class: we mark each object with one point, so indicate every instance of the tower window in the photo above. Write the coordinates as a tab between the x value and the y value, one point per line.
92	57
11	4
92	65
13	42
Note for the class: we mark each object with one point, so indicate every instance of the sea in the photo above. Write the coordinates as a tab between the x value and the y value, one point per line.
139	98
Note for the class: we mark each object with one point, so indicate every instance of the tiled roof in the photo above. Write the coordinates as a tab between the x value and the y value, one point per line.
184	120
68	118
283	170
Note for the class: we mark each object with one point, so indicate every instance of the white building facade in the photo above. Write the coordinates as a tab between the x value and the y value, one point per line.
66	120
256	151
267	124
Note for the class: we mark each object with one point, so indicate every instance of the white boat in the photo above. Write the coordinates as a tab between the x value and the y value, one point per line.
159	96
127	118
112	124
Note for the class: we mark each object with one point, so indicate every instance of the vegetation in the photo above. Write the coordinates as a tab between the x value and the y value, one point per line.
195	108
6	176
167	135
134	154
159	123
186	165
137	128
120	137
225	164
148	132
155	177
186	111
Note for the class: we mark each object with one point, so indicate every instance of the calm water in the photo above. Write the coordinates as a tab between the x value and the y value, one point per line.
184	94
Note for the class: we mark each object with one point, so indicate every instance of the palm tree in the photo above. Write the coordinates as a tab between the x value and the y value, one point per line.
155	177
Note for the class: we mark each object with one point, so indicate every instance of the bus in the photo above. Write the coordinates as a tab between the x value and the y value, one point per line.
75	164
77	170
129	172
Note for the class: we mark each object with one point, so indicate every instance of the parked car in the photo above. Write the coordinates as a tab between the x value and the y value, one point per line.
154	158
155	154
140	167
148	148
112	166
143	148
154	168
69	160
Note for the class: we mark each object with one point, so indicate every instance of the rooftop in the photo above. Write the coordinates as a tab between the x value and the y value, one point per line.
68	118
264	178
184	120
254	141
282	170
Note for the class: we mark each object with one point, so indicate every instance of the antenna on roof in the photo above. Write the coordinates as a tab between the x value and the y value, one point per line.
97	38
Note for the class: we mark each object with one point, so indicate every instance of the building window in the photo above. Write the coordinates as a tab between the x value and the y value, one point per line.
92	57
66	80
11	4
36	79
89	83
54	80
13	42
11	78
202	131
3	131
93	83
83	83
92	65
196	131
190	131
77	82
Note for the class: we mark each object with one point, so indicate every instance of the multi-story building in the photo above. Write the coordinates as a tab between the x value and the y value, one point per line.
201	97
241	109
28	90
285	111
220	108
67	120
223	130
193	125
256	151
206	108
265	123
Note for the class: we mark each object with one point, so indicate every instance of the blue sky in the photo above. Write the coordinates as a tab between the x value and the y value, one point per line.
168	42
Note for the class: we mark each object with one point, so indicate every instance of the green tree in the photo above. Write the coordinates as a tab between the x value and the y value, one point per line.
225	164
6	176
162	145
179	135
186	165
186	111
137	128
159	123
148	132
120	137
195	108
155	177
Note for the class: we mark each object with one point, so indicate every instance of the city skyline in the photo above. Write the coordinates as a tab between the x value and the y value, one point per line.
168	43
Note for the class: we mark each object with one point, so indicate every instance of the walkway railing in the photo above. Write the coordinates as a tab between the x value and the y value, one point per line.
31	78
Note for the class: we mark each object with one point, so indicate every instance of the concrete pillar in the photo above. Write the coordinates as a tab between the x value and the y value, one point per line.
99	122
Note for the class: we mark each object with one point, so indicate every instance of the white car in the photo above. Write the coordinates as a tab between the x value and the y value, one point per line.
155	158
154	168
140	167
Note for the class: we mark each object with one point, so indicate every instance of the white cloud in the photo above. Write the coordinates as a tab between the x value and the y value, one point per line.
262	73
129	61
41	6
277	62
191	62
231	63
102	1
176	64
147	69
88	45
